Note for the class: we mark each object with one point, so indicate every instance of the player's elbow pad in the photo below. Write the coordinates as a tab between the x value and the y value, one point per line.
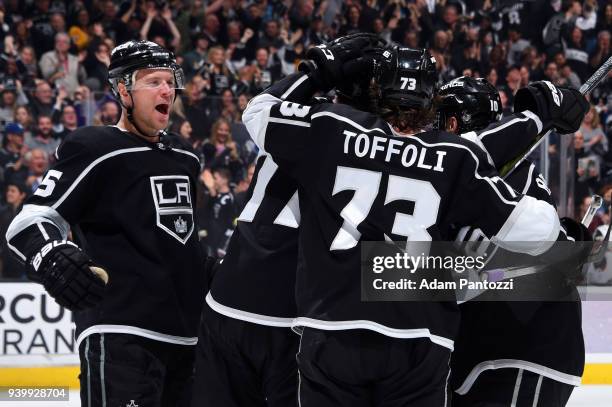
531	228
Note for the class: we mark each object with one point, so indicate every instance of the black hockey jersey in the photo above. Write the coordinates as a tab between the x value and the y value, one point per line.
255	281
129	205
358	181
541	337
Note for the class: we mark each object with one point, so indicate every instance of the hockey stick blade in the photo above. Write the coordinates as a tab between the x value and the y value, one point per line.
585	89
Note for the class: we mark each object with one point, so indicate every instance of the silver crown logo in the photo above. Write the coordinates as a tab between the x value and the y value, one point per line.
180	225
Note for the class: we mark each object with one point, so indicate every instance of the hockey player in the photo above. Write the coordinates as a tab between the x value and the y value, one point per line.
363	177
126	195
246	352
529	353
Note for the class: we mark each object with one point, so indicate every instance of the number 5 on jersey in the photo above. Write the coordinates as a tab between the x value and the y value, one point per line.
47	185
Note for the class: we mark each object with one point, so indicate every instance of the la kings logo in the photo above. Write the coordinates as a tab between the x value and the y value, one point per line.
172	197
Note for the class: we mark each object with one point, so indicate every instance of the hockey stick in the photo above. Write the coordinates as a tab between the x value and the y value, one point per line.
585	89
596	202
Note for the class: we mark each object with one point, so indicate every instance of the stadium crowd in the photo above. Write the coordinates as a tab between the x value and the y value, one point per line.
55	54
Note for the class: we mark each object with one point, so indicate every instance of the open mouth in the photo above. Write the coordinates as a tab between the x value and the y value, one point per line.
163	108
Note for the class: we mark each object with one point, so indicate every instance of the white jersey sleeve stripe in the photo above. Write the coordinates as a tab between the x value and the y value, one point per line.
529	178
503	126
347	120
535	118
294	87
31	214
473	137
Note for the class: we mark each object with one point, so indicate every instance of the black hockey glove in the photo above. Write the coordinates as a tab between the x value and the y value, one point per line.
68	275
561	108
348	59
576	230
577	253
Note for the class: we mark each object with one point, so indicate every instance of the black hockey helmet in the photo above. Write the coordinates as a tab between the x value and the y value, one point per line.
474	102
132	56
357	93
408	78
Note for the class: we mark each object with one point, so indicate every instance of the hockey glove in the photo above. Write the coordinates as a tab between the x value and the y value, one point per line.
561	108
68	275
578	252
342	61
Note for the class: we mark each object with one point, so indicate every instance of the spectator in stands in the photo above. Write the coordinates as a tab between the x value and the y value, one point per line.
576	56
44	138
244	84
220	150
219	212
24	118
43	100
524	72
11	97
513	82
96	65
183	128
516	44
592	133
38	164
109	114
587	169
30	64
551	73
40	25
14	196
13	146
267	70
62	68
602	52
270	36
216	73
79	31
243	186
159	27
492	77
196	110
194	60
229	110
68	122
211	29
567	77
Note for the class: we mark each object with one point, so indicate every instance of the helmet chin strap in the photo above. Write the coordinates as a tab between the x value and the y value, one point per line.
131	119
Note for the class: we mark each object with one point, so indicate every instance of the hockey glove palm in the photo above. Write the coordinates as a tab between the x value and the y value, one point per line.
68	275
344	60
562	108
